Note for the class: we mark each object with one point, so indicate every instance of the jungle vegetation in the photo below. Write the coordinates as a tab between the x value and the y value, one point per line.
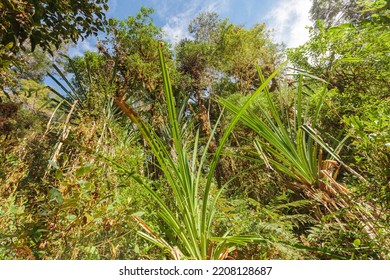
226	145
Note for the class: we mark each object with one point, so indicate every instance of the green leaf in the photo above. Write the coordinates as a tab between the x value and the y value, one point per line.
70	217
83	170
56	195
351	59
53	164
88	217
138	214
59	174
356	242
136	249
9	46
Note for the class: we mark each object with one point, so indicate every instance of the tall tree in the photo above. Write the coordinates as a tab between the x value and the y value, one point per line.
241	50
221	58
134	43
133	49
206	27
198	60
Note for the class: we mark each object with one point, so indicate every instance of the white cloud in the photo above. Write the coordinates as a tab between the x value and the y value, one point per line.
289	19
176	30
219	7
81	47
176	27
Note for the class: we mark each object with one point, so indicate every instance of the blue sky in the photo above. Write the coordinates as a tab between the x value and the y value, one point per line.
287	18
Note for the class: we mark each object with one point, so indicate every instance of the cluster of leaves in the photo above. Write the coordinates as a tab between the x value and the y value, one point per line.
49	23
45	26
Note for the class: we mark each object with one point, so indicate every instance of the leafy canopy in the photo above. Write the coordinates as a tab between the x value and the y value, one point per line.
47	23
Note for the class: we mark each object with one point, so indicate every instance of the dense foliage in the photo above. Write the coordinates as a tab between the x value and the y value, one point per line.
210	149
49	23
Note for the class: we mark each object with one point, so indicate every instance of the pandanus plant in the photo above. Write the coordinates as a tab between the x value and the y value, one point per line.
193	214
293	147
